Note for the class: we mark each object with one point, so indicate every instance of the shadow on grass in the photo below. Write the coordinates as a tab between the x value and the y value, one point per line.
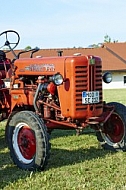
2	142
56	133
9	173
61	157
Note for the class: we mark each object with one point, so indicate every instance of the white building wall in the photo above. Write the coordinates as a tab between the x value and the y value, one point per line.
117	81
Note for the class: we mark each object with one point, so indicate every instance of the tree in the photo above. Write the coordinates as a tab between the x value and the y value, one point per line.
28	48
107	38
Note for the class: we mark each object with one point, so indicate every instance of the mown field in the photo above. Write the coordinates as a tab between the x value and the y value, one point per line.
76	162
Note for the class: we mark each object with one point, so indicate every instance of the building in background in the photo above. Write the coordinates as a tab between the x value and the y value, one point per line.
113	57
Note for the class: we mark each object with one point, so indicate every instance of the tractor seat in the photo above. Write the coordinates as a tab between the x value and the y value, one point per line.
2	56
9	73
2	74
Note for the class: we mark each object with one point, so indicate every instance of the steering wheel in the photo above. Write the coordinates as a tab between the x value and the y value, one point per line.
9	36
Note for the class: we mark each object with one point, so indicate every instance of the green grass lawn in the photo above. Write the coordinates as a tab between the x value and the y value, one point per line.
115	95
76	162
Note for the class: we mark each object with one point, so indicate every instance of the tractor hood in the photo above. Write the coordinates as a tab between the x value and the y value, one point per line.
40	66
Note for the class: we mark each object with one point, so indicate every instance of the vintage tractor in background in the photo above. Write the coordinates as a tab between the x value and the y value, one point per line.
40	94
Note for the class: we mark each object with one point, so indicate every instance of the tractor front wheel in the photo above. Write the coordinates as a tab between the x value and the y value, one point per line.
28	141
113	135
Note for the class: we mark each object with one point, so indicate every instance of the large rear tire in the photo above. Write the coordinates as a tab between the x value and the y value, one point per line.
28	141
113	135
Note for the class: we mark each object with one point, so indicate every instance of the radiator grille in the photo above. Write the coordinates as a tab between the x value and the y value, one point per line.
88	78
81	82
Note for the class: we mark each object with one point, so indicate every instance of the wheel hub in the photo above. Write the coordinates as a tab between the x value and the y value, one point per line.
114	128
27	142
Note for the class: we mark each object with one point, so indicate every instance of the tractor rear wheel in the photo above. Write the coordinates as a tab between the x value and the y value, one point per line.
113	135
28	141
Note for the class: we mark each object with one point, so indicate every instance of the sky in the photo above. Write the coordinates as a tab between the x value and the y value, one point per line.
51	24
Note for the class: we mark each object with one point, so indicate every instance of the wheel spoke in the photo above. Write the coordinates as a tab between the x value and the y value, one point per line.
6	36
2	46
13	43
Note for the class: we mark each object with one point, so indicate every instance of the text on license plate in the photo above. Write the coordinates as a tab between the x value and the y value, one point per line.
90	97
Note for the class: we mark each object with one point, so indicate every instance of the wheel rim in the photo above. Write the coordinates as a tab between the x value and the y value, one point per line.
24	143
114	129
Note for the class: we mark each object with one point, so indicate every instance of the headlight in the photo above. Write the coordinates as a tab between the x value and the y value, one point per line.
107	77
57	79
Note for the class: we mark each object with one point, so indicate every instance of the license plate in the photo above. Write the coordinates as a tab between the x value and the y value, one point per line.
90	97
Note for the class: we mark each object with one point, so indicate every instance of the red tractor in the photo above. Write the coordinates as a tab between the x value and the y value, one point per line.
40	94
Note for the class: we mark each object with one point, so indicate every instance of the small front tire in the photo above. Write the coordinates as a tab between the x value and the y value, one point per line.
28	141
113	135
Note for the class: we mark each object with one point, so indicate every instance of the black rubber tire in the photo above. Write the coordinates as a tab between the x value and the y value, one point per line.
105	141
40	144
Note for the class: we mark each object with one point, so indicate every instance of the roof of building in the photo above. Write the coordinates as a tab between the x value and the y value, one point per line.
113	55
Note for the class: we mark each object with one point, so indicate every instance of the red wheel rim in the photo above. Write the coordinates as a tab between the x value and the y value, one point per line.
114	128
27	142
